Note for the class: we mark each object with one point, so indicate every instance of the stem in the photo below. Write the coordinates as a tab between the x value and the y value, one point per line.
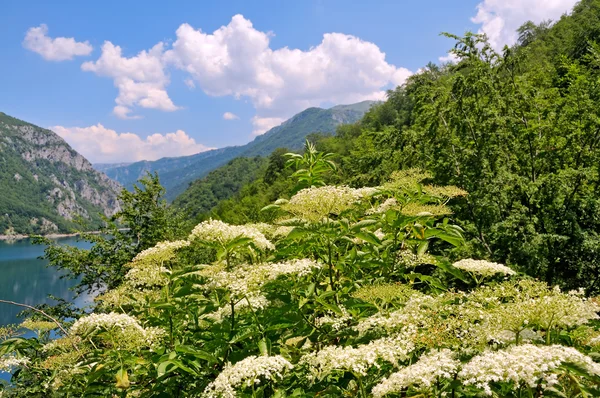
363	392
39	312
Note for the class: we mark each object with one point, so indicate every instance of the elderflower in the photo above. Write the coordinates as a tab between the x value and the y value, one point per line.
247	278
357	360
40	326
125	328
316	203
223	233
248	372
337	323
422	374
483	267
162	251
9	362
528	364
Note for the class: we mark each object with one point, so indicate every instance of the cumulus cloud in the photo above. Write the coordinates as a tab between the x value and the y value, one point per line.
102	145
237	60
499	19
264	124
141	79
230	116
57	49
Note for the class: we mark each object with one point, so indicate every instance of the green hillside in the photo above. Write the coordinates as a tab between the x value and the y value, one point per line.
45	184
177	173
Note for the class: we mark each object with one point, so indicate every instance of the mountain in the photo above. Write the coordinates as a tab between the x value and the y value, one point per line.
46	185
177	173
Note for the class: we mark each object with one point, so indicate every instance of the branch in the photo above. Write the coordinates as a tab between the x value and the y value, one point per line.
38	311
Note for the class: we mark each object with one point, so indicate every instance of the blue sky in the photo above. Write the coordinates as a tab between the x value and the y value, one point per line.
76	66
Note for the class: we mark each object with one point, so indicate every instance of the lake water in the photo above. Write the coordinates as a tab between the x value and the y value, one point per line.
24	278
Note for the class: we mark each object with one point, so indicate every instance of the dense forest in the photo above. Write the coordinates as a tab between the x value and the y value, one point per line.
444	246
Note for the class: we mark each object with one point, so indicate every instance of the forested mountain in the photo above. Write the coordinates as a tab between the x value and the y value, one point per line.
177	173
519	130
45	184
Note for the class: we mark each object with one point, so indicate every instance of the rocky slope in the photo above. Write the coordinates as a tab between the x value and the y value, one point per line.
177	173
46	185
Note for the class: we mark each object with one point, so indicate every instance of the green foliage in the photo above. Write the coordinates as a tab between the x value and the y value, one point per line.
347	295
311	167
223	183
143	221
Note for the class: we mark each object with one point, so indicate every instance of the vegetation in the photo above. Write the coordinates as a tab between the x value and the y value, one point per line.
204	194
445	246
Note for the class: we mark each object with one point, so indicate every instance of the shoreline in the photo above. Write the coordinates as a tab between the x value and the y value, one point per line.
49	236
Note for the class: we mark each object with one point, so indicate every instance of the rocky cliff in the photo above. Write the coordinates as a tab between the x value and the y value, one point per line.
45	185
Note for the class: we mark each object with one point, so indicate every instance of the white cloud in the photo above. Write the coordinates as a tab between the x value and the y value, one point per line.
264	124
449	58
230	116
190	83
237	60
499	19
141	80
57	49
102	145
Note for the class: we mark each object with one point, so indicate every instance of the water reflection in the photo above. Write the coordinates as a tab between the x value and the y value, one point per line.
24	278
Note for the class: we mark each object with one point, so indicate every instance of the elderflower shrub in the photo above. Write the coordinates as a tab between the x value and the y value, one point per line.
527	364
421	375
358	360
222	233
38	326
123	329
318	203
161	252
9	362
247	278
248	372
483	267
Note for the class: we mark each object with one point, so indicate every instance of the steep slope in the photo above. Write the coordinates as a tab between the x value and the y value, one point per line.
222	183
46	184
177	173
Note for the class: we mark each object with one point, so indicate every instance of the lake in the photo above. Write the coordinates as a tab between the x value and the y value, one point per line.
24	278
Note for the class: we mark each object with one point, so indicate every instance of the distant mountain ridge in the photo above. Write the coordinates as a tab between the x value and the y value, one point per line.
45	184
177	173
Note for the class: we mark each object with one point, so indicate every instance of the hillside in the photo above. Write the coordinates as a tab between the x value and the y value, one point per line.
46	184
177	173
222	183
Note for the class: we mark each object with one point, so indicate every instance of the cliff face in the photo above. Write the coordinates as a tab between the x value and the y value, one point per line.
46	185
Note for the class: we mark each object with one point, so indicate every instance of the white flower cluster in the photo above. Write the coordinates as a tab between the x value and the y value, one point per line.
337	323
407	319
388	204
223	233
357	360
162	251
483	267
125	326
9	362
248	278
422	374
246	373
315	204
528	364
